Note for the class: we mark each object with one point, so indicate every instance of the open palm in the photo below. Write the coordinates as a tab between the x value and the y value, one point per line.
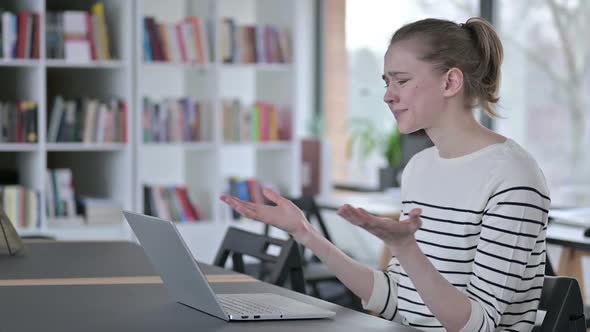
394	233
285	215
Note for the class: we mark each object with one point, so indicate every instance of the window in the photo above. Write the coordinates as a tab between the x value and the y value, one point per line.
368	29
544	92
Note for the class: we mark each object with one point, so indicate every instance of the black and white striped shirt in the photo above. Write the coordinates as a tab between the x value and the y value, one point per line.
484	218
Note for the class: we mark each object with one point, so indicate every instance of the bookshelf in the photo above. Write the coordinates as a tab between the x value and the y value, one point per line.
119	170
98	169
205	166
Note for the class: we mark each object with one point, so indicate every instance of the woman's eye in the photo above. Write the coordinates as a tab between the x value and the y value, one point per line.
401	82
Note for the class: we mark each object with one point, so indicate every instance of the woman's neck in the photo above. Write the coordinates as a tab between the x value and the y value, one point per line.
461	134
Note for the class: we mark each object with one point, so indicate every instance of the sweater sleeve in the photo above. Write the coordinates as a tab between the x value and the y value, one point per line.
383	298
509	261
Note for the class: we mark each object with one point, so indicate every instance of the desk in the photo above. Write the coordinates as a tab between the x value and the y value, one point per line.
141	303
575	247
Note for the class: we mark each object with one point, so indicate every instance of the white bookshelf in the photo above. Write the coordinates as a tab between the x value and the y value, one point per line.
18	147
161	65
81	147
100	170
19	63
119	171
205	167
113	64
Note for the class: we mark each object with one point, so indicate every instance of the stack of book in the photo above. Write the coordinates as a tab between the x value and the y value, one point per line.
87	120
254	43
19	35
176	120
78	36
261	122
186	41
171	203
100	211
18	122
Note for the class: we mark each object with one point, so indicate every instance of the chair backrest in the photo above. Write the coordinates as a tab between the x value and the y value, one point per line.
308	205
561	298
284	266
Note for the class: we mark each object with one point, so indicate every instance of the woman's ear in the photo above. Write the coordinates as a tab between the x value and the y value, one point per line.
453	82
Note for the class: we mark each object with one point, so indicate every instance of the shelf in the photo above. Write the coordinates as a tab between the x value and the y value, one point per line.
58	63
31	232
259	66
86	147
191	146
274	145
261	145
176	65
19	147
19	63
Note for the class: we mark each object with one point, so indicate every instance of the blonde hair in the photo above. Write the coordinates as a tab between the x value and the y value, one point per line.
474	47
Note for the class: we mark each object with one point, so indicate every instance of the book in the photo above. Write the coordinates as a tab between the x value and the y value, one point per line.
56	119
101	26
99	211
171	203
75	29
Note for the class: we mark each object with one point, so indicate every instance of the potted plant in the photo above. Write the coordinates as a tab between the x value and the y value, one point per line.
367	138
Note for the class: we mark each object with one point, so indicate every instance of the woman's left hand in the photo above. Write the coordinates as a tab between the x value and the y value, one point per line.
396	234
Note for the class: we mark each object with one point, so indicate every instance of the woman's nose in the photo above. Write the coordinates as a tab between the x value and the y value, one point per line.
390	96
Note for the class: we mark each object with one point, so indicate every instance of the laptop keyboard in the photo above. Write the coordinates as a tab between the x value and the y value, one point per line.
245	306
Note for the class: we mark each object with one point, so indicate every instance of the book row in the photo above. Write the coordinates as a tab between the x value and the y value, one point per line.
176	120
87	120
18	121
259	122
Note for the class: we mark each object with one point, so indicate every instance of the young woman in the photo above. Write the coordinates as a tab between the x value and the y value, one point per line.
469	252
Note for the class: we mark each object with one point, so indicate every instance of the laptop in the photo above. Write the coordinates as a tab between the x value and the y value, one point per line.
185	282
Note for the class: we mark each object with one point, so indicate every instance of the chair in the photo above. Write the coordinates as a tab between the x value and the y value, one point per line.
286	266
549	271
562	300
308	205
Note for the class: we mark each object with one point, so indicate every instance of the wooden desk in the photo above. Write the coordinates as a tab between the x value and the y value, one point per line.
112	287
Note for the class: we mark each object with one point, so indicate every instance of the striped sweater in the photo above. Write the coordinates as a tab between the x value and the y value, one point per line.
484	218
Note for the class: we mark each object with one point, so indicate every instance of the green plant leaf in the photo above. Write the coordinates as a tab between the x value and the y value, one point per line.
365	135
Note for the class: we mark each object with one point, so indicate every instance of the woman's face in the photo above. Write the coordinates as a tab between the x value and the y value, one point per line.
413	89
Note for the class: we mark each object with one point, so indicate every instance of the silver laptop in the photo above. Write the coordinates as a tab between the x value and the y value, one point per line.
186	283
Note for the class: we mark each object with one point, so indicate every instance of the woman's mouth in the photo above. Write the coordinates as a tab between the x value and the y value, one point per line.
397	113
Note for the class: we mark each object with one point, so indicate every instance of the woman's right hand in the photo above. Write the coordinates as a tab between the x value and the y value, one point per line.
285	215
